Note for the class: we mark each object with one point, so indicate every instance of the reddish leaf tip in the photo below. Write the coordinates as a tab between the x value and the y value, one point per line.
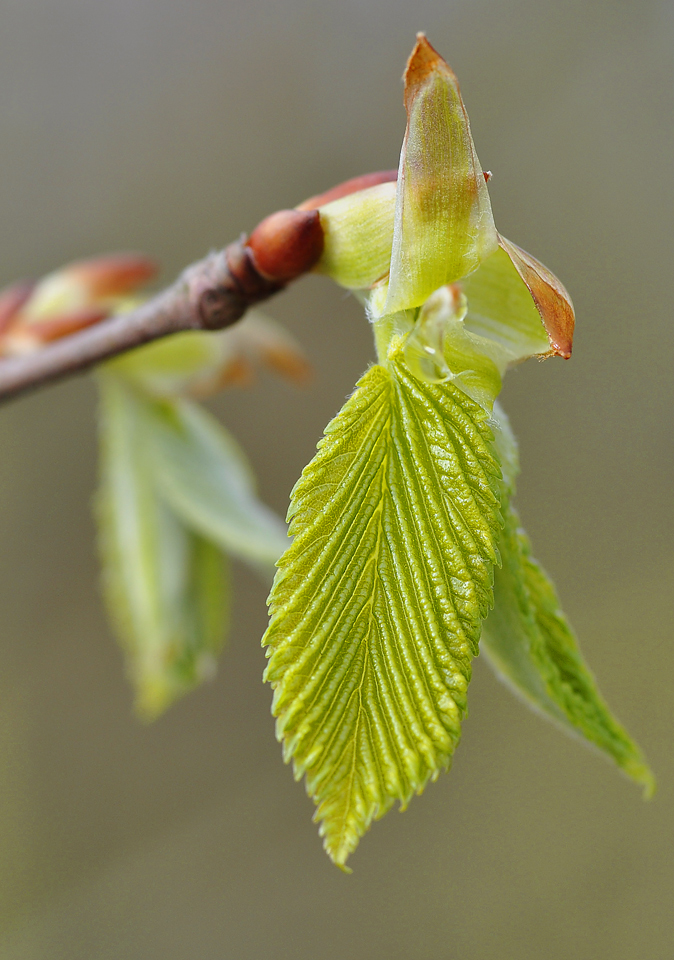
12	299
27	338
423	61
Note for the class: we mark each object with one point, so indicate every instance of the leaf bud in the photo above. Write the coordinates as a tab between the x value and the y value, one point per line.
287	244
69	299
549	295
112	275
85	283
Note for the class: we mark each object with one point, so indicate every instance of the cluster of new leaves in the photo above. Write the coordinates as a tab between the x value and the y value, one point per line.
405	536
177	496
407	555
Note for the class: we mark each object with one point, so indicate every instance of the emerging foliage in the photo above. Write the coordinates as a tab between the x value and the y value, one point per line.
376	609
405	535
165	584
177	496
203	474
532	647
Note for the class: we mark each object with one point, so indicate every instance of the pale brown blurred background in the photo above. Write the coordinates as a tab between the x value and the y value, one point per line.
170	126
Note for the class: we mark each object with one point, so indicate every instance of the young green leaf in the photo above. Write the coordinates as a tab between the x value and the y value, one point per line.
377	605
165	586
168	367
531	645
203	474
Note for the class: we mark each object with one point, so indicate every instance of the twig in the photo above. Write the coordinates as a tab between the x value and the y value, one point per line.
209	295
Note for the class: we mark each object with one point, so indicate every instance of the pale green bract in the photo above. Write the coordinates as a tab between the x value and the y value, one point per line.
500	309
358	231
443	221
530	644
376	607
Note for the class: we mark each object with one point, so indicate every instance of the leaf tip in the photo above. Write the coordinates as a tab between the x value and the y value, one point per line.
339	853
153	698
422	63
642	774
111	275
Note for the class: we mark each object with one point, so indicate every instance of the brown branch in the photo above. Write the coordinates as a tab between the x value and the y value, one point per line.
209	295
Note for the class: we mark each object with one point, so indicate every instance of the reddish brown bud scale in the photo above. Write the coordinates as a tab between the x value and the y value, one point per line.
550	296
348	187
114	274
287	244
53	328
12	300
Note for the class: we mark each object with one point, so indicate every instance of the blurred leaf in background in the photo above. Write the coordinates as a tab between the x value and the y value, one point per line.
165	585
177	496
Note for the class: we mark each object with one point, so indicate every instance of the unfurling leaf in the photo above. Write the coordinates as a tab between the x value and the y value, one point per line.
377	605
443	221
441	347
500	309
165	585
531	646
176	493
550	296
203	474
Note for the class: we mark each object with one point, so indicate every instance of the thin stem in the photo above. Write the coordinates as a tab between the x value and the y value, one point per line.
209	295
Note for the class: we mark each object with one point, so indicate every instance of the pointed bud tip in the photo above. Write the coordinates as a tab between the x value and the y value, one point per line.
423	62
443	226
287	244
